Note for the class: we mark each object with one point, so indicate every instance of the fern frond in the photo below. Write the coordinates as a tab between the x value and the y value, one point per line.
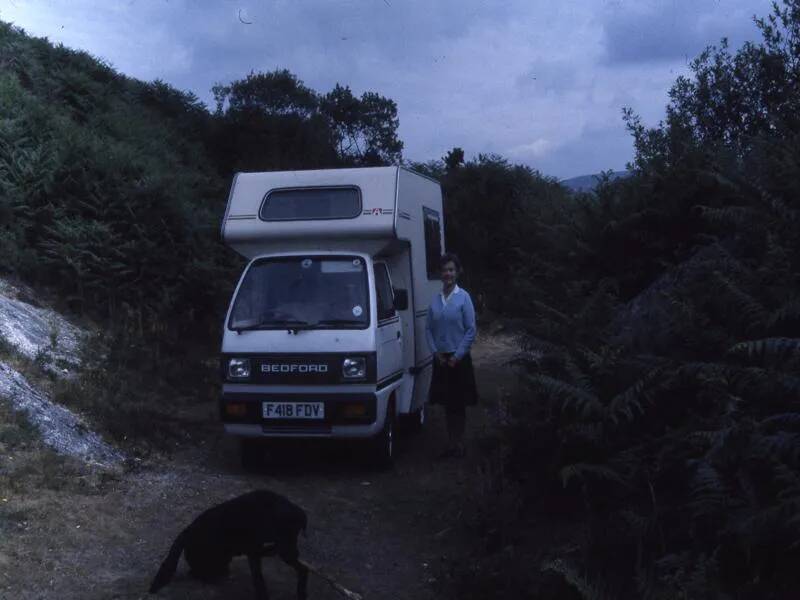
763	524
589	355
712	438
569	395
751	311
579	377
597	301
755	382
739	216
701	580
779	207
789	383
607	359
575	580
708	492
639	524
766	350
787	314
544	348
592	432
782	421
629	402
551	312
789	482
779	445
584	471
722	179
697	370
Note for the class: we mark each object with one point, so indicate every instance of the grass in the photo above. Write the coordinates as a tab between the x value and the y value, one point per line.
119	393
16	431
135	401
27	464
7	349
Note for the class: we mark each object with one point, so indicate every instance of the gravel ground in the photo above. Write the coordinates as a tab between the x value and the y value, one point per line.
383	534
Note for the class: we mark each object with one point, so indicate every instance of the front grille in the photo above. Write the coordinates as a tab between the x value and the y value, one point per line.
300	369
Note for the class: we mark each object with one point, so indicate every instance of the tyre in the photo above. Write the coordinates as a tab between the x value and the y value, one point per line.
384	442
251	453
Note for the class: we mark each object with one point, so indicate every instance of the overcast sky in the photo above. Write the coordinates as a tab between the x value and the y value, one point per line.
541	82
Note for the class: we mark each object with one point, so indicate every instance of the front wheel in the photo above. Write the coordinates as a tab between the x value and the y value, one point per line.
383	444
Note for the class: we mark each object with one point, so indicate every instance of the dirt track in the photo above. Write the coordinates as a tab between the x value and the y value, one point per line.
383	534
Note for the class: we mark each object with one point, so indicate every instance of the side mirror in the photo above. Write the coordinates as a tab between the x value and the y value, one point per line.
401	299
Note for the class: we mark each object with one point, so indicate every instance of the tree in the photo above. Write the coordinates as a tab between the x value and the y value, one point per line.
276	93
730	98
270	121
454	159
365	128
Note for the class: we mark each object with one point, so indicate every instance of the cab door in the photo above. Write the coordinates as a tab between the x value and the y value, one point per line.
390	342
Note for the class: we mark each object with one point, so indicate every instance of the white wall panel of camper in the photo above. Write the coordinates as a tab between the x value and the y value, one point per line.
325	333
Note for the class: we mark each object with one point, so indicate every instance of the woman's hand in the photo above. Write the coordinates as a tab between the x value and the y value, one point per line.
453	361
441	358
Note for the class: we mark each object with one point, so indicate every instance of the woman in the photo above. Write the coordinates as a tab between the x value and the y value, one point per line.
450	332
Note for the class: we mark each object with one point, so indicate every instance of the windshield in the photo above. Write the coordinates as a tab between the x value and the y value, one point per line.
325	292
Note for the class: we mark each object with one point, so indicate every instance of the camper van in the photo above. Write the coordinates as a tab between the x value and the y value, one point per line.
325	333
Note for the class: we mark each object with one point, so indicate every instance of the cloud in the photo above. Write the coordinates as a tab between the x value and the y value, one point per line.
535	149
664	30
535	80
594	150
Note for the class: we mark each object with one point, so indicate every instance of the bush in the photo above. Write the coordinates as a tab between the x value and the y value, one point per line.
664	365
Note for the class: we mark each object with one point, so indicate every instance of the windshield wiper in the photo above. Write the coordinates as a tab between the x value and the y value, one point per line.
252	327
278	324
294	324
290	324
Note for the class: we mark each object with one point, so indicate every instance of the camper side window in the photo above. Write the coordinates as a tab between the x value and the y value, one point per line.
433	241
383	289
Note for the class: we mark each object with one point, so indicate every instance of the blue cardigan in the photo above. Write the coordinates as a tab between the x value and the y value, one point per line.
451	326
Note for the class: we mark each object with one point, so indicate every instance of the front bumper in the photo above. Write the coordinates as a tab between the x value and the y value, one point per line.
241	414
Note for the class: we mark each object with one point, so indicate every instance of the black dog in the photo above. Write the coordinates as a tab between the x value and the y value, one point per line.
257	524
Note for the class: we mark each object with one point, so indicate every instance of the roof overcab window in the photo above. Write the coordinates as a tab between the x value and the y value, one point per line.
311	203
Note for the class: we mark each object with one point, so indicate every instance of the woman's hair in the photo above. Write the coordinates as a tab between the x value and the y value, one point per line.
449	257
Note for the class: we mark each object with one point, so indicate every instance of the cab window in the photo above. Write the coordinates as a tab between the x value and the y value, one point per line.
383	289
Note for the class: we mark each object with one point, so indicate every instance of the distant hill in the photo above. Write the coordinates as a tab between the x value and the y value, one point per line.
586	183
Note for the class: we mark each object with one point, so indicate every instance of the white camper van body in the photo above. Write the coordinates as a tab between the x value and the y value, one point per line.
329	230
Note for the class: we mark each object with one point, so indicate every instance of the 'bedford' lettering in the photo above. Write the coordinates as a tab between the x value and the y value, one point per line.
293	368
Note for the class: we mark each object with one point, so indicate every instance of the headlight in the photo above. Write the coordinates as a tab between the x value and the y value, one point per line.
239	368
354	368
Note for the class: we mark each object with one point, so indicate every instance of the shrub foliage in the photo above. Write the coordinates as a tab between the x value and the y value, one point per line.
663	366
111	194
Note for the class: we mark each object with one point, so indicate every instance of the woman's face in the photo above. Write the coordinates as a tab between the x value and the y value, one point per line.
449	273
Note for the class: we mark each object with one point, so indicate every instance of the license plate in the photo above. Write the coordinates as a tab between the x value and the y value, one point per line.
293	410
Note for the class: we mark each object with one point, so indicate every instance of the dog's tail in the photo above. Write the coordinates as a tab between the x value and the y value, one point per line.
170	564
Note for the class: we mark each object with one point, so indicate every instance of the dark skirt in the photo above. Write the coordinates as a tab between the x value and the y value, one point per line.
454	387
